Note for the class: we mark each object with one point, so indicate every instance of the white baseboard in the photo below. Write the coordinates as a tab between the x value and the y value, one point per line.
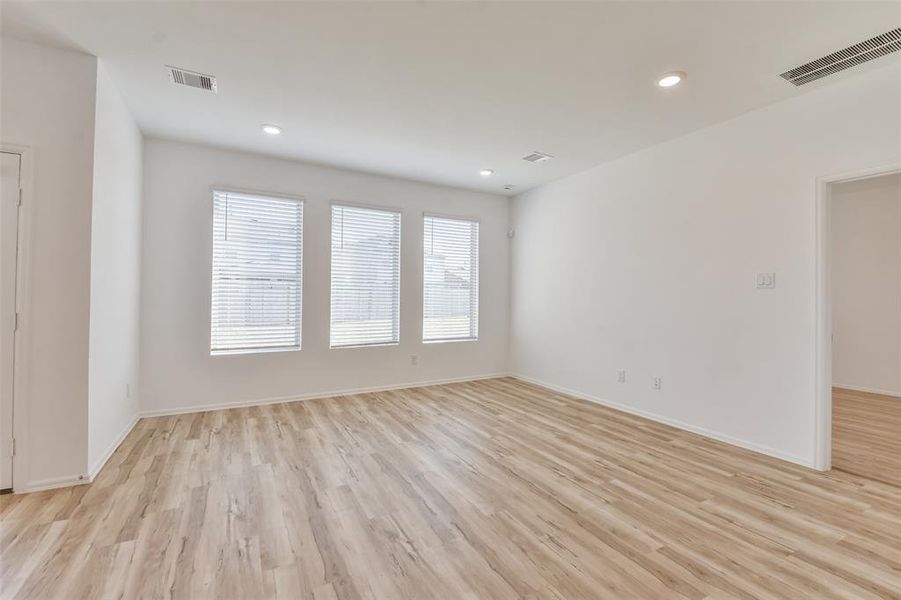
720	437
163	412
68	481
61	482
857	388
51	484
112	448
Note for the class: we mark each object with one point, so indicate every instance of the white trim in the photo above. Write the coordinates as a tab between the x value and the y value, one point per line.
227	189
22	341
52	484
81	479
163	412
732	441
447	217
822	405
372	345
857	388
363	206
264	350
70	480
61	482
451	340
101	462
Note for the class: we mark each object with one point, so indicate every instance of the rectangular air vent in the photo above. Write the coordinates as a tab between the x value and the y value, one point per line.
845	59
192	79
537	157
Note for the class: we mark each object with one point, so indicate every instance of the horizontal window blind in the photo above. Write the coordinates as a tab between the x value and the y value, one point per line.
257	273
365	276
450	276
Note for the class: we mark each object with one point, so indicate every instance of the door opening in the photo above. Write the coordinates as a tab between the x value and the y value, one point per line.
10	200
865	295
830	335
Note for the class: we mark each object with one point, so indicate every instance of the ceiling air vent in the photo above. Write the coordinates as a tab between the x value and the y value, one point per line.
845	59
537	157
192	79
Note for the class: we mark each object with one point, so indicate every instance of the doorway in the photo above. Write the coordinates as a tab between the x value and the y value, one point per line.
10	196
864	262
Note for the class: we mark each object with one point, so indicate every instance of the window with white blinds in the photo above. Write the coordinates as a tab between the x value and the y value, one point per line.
365	276
257	273
450	291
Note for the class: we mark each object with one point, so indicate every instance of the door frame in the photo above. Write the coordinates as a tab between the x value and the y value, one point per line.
22	339
823	303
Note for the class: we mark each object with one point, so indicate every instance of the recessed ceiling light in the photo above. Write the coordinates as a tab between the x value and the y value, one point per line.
272	129
486	172
670	79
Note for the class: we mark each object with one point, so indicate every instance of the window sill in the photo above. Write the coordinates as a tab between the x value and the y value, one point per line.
379	345
450	341
253	351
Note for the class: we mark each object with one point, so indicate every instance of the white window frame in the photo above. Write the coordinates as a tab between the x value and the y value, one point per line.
397	294
221	189
475	322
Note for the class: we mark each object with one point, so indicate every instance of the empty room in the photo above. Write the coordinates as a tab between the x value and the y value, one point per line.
450	300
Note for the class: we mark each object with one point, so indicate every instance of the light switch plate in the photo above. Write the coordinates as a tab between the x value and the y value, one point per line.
766	281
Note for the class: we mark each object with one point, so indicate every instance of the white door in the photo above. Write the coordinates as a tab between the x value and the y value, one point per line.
9	229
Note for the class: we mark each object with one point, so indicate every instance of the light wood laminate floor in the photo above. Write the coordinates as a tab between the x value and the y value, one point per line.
866	434
491	489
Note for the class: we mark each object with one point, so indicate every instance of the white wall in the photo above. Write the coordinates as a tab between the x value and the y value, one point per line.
47	104
648	263
866	284
115	273
177	371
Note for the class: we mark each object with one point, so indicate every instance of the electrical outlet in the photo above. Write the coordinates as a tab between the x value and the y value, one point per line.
657	383
621	375
414	359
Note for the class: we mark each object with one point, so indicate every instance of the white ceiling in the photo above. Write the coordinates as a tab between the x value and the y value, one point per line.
437	91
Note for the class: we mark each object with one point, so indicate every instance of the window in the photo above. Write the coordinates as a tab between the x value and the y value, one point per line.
365	276
450	275
257	273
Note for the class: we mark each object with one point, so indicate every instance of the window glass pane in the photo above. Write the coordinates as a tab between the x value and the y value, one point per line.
365	276
450	276
257	273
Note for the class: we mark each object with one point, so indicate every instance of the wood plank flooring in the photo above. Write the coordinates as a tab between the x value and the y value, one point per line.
866	434
491	489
